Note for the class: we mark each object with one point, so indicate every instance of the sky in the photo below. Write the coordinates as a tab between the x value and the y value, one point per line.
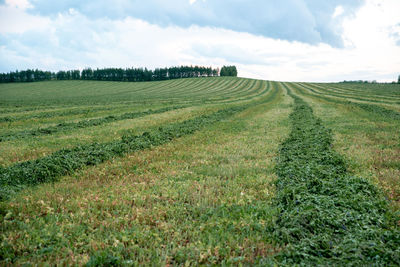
285	40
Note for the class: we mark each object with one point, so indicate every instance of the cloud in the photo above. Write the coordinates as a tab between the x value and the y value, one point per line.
72	39
22	4
14	19
309	21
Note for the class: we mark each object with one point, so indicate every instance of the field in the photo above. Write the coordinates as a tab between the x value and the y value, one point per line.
199	171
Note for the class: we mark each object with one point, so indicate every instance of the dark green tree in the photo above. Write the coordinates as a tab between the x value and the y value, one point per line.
117	74
228	71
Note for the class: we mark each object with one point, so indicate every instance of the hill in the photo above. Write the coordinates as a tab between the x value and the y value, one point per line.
212	171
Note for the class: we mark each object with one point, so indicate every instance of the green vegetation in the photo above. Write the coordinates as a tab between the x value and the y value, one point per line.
228	71
65	161
81	124
368	139
111	74
199	171
327	216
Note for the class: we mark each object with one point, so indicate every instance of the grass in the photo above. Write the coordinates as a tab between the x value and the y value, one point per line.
74	95
82	124
212	183
368	140
201	198
326	216
19	97
65	161
15	151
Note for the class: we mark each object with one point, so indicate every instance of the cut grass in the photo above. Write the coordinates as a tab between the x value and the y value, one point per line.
67	96
373	108
15	151
68	126
368	140
206	198
201	199
63	162
328	217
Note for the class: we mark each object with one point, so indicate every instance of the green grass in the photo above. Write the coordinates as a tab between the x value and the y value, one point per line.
81	124
65	161
187	201
369	140
20	97
203	95
328	217
213	182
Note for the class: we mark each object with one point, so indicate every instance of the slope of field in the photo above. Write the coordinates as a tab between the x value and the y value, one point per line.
367	134
44	117
208	171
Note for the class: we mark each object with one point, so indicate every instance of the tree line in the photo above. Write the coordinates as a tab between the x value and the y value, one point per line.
118	74
359	81
228	71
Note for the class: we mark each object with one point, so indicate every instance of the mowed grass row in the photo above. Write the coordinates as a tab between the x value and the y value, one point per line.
66	161
43	113
37	99
357	99
72	93
81	124
15	151
201	199
383	94
51	118
207	87
386	112
327	216
78	95
205	198
389	91
368	140
62	135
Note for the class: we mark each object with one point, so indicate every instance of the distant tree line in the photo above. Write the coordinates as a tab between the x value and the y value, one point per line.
228	71
117	74
359	81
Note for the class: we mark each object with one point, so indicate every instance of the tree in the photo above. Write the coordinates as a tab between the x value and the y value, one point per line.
228	71
117	74
398	80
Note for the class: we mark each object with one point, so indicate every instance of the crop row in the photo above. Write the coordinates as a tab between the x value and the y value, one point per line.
73	93
390	91
346	92
176	92
81	124
46	112
326	216
83	110
65	161
376	109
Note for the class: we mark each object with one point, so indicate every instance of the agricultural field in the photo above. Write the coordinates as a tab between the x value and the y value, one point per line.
199	171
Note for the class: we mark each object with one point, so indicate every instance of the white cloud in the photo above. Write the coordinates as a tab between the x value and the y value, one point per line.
14	19
339	10
22	4
72	40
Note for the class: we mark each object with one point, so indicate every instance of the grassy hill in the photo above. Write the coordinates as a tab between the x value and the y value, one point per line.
208	171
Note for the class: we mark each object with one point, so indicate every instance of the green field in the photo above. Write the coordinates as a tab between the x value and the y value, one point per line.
199	171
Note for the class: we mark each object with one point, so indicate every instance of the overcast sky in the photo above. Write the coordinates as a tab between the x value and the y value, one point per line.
287	40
